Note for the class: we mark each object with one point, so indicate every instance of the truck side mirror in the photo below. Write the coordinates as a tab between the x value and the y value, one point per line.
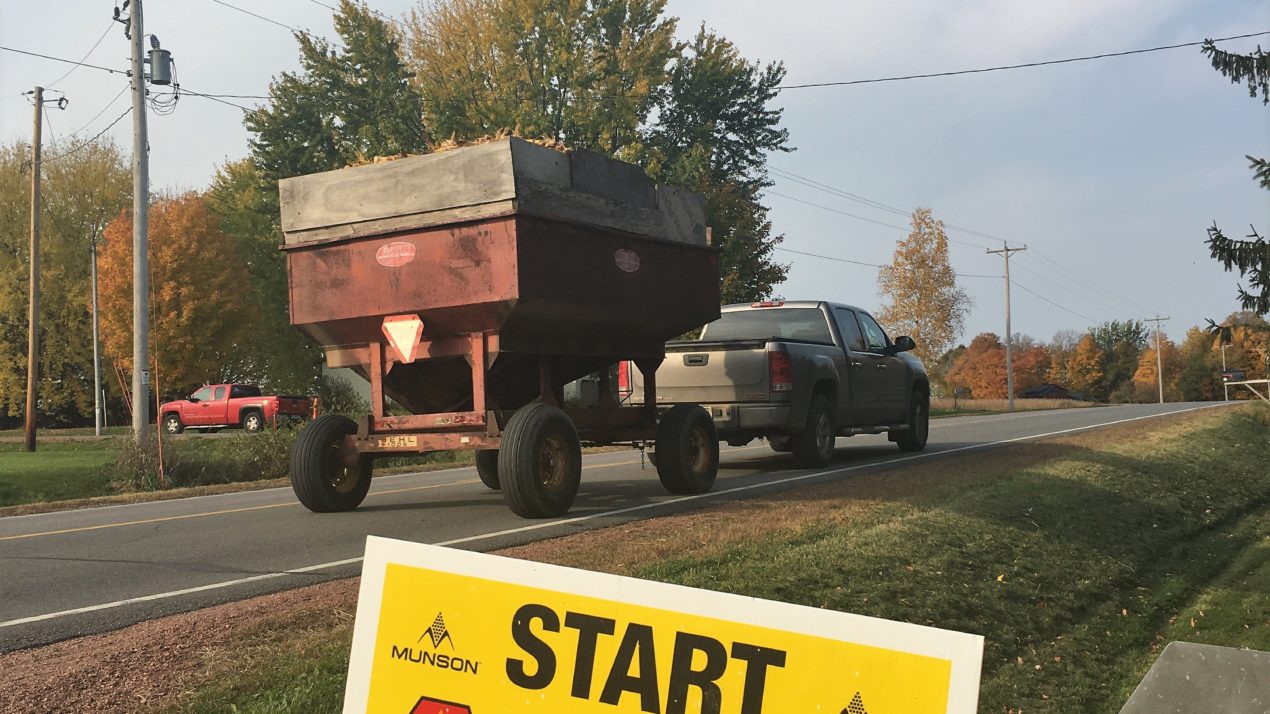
904	343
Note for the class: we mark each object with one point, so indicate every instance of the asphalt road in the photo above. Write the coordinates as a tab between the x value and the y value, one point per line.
81	572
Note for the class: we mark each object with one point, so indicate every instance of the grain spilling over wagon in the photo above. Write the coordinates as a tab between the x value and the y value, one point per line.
469	287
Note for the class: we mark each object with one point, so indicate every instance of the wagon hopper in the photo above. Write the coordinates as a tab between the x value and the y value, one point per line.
469	287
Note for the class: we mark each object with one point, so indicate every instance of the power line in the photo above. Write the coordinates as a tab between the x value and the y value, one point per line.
1060	307
1067	289
110	104
96	136
1024	65
1078	279
216	98
92	49
829	257
260	17
834	191
60	59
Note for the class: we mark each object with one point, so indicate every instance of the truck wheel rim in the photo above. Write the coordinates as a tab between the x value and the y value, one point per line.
698	451
824	433
553	463
253	422
920	424
170	425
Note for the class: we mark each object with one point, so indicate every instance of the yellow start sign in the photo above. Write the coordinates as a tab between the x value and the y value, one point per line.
443	631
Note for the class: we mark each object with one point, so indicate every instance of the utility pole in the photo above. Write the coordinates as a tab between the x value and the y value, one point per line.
1159	371
1005	252
1224	387
33	316
97	401
140	233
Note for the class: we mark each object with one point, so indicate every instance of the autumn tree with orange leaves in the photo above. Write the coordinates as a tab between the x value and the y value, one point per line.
198	293
980	368
1084	367
1146	387
923	300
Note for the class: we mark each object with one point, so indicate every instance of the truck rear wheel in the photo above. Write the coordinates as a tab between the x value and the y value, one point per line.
914	438
813	446
254	421
687	450
487	467
540	462
779	444
319	476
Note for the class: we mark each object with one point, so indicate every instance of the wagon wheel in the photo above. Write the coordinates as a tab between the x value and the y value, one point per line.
319	476
687	450
487	467
540	462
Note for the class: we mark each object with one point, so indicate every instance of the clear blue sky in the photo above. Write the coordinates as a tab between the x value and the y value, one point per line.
1109	170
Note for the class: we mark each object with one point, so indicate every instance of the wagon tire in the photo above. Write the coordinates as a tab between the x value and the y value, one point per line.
540	462
687	450
172	424
320	478
487	467
253	421
914	438
813	446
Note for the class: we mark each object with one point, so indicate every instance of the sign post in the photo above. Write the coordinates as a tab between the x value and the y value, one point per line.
442	631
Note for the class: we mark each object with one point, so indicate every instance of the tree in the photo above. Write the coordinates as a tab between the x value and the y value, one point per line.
714	133
1252	255
1084	367
585	73
923	299
82	187
272	353
1030	367
1060	349
1144	377
199	293
348	104
594	76
981	368
1109	333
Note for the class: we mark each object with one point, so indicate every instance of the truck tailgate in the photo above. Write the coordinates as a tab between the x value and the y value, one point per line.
711	372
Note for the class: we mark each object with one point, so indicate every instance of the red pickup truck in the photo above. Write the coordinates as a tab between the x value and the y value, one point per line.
215	406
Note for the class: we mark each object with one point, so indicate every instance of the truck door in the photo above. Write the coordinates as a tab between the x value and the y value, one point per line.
217	406
196	413
853	407
890	374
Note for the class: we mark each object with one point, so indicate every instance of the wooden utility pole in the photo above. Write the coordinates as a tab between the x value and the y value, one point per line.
33	325
140	234
1005	252
1159	370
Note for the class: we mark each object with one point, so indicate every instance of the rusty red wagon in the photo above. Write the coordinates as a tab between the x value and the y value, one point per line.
469	287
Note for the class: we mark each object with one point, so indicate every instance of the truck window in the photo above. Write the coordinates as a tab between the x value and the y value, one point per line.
850	329
202	395
220	394
238	391
806	324
873	333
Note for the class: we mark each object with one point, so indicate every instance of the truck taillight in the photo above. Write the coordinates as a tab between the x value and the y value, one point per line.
779	376
623	380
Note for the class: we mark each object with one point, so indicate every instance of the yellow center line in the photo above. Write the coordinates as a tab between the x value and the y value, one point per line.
210	513
246	509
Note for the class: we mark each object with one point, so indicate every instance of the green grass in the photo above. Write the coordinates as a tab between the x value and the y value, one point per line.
1072	570
56	471
68	431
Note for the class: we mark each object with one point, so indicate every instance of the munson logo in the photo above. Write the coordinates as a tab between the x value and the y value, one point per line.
395	254
437	634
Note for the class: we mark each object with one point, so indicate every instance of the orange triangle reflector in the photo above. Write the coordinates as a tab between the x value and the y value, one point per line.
403	333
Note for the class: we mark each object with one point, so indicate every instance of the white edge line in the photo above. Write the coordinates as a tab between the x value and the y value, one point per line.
591	517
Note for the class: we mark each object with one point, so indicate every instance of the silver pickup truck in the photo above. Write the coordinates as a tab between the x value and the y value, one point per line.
798	374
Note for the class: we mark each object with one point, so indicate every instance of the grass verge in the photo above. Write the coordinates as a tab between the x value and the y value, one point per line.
57	471
1077	558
